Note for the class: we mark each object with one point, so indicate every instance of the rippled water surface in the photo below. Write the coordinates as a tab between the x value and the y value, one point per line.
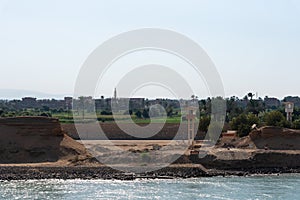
258	187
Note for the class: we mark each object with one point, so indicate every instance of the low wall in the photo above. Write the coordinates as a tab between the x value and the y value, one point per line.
113	132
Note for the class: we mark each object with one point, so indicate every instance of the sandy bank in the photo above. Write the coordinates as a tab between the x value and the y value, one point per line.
37	148
37	140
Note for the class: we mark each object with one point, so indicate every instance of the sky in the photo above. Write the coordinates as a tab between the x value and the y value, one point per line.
254	44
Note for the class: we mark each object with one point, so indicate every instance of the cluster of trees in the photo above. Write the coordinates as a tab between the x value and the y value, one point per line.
242	114
155	111
44	111
146	112
244	122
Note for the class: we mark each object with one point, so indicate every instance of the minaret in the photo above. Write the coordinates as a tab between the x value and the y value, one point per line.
115	93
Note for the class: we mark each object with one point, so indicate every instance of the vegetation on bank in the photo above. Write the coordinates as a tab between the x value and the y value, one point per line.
240	117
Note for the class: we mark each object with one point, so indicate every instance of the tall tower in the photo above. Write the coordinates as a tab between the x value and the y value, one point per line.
115	93
191	116
289	109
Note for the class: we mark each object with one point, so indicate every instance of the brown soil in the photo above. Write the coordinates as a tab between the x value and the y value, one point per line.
40	142
265	148
36	140
269	138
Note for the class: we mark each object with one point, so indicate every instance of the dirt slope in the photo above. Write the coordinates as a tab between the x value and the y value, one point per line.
271	138
36	140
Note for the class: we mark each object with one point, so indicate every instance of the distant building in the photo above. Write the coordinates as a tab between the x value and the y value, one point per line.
29	102
51	104
289	109
168	102
100	104
121	104
89	104
136	103
68	103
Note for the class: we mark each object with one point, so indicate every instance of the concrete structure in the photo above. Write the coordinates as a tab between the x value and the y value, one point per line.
29	102
68	103
289	109
191	116
230	134
295	100
115	93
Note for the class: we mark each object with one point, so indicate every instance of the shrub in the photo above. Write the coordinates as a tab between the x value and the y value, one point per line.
145	157
104	112
243	123
46	115
138	114
204	123
146	113
296	124
275	118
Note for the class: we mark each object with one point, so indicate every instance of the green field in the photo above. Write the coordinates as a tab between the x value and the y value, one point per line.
68	118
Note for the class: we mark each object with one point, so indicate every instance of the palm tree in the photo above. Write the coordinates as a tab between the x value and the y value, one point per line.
251	95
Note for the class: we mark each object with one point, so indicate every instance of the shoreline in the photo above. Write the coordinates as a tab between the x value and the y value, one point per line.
39	149
8	173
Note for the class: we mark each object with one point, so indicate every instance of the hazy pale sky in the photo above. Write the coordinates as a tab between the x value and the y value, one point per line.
254	44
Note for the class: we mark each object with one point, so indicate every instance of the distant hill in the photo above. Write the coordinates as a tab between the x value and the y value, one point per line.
10	94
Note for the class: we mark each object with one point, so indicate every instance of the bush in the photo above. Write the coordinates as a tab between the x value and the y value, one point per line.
145	157
138	114
275	118
46	115
146	113
296	124
243	123
204	123
104	112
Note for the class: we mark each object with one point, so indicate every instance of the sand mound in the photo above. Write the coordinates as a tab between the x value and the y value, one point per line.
36	140
276	138
273	138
